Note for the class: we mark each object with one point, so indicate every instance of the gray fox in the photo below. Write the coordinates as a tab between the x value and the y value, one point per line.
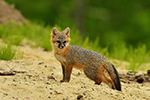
91	62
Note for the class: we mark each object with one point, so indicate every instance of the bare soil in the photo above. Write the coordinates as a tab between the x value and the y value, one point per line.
37	77
8	13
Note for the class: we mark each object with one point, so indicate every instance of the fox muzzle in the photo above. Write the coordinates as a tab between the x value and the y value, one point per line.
61	45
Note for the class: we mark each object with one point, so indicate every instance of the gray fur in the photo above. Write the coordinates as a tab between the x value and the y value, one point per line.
90	59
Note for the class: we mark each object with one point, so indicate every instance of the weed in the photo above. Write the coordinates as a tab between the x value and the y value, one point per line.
14	33
7	52
137	56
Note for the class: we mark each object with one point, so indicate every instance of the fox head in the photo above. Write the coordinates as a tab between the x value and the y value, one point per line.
60	40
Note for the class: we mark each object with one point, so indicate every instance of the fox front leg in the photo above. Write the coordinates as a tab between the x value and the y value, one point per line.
63	71
66	70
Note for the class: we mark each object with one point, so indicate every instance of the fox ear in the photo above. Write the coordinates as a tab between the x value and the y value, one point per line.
54	31
67	31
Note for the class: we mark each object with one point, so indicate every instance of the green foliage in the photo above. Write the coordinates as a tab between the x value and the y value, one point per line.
119	51
15	33
40	35
13	39
8	53
19	55
112	21
137	56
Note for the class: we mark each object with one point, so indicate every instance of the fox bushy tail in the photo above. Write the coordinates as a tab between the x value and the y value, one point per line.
114	76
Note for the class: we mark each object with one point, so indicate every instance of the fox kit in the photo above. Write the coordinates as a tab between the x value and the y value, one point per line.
91	62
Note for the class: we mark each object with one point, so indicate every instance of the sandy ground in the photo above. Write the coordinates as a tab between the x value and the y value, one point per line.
41	81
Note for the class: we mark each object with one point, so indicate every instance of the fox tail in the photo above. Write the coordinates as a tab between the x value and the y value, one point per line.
114	76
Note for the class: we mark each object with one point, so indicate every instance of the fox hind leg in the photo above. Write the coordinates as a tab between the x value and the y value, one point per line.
108	81
102	77
98	80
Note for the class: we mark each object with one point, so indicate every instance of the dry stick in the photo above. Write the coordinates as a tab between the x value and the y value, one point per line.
11	72
19	71
7	73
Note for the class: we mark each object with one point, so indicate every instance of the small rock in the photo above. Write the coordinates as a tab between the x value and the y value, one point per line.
40	49
131	78
137	75
52	73
83	86
48	83
146	78
49	97
79	97
51	93
148	72
121	75
79	73
130	73
138	87
93	89
40	63
51	77
29	76
5	94
16	61
140	79
65	98
111	94
14	80
45	66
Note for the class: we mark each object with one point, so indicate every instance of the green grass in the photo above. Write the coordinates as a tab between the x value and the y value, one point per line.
7	52
40	35
15	33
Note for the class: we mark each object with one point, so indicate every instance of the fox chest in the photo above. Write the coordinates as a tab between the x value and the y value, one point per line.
60	58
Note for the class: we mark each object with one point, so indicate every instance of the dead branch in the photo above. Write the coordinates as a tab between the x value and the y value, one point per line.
11	72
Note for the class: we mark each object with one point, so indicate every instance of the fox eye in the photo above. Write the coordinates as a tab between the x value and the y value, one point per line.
64	42
58	41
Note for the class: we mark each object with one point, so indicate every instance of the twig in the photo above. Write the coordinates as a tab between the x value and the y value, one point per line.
8	73
19	71
11	72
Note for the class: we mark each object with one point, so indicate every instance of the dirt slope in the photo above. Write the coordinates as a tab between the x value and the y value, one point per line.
9	13
37	78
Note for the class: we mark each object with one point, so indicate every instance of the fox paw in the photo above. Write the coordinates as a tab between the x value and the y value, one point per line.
97	83
64	81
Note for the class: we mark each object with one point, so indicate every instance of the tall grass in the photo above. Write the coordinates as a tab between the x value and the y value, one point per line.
40	35
135	56
15	33
7	52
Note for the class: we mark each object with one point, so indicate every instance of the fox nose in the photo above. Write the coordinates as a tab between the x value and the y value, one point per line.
61	45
